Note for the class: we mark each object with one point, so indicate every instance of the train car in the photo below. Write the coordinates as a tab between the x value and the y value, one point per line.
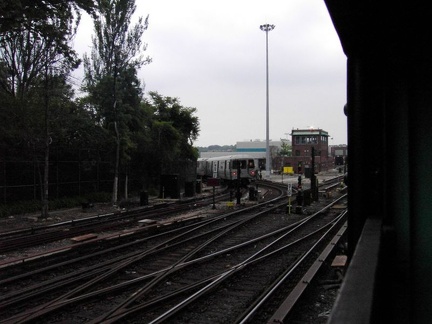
226	168
201	167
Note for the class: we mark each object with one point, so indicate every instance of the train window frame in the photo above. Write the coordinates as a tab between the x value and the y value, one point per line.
242	163
234	164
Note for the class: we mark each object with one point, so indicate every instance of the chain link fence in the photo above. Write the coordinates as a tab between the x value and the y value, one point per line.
71	173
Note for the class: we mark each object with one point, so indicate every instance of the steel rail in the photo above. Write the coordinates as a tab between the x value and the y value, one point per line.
220	278
106	269
49	307
289	302
224	276
130	232
36	235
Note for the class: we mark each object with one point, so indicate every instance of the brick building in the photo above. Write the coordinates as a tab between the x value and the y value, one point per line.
303	140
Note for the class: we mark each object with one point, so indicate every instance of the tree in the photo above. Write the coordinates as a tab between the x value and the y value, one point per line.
170	109
286	149
164	137
115	57
173	131
15	14
33	56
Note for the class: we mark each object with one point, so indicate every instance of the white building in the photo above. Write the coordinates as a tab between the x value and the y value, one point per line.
255	148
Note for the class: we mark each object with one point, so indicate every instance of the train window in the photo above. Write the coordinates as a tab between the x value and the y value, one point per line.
239	163
251	164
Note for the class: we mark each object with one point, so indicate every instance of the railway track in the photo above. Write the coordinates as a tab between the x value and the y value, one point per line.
168	273
39	235
109	222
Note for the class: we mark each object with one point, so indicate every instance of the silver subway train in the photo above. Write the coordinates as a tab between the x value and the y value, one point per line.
227	168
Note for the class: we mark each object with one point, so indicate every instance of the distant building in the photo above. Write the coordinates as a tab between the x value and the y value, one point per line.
255	148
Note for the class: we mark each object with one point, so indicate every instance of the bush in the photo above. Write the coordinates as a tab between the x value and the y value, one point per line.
33	206
64	203
20	207
101	197
153	192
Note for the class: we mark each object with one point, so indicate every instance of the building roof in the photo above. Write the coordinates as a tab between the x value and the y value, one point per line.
311	131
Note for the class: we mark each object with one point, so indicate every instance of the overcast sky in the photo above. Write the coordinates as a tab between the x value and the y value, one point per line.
211	55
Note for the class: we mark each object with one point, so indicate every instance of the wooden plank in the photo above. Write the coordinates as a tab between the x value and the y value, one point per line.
83	238
339	261
145	222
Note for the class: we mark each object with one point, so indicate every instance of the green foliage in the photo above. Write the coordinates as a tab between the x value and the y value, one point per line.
37	102
34	206
114	91
117	45
34	34
153	191
20	208
76	128
182	119
98	197
42	17
286	149
35	61
163	138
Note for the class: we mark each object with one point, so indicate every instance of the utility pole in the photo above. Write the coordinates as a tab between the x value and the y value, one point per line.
314	187
267	28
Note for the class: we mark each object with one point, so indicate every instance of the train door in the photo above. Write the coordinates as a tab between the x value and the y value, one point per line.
221	169
215	169
235	167
243	170
225	163
251	168
239	166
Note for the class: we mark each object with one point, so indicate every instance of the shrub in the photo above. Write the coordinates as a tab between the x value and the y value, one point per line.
33	206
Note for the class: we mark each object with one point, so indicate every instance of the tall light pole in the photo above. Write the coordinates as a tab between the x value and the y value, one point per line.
267	28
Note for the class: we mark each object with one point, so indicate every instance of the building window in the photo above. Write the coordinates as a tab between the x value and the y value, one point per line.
297	152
